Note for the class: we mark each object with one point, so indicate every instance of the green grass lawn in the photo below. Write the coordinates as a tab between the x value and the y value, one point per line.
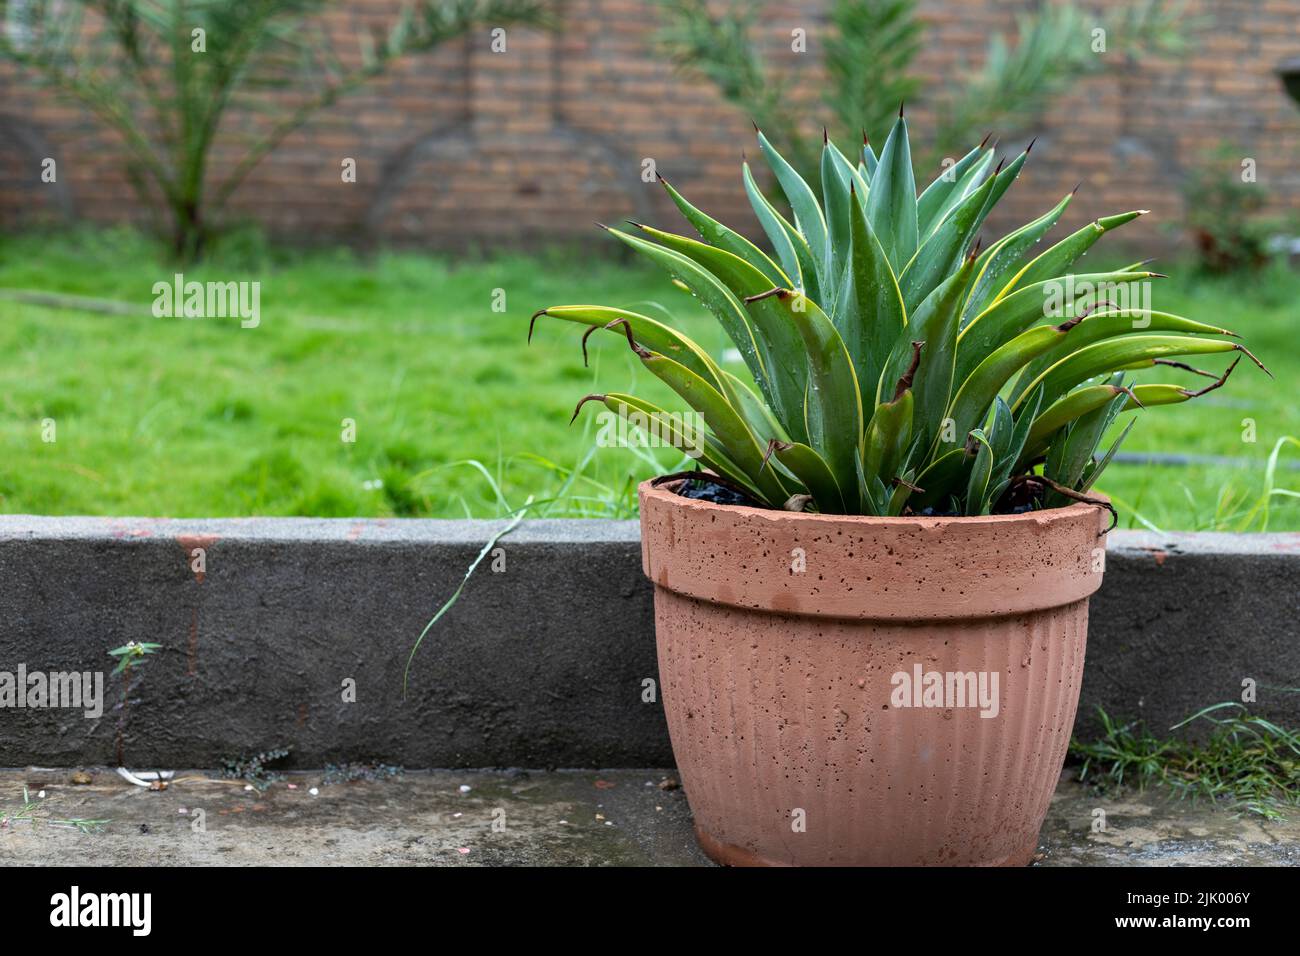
455	414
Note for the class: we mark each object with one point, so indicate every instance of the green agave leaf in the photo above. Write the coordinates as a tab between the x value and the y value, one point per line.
1094	469
977	485
889	433
1111	355
652	334
752	409
1057	260
727	280
935	324
1000	258
1003	179
970	406
1078	444
717	298
873	496
1009	316
999	434
940	478
888	436
716	234
880	495
1109	324
1062	413
1153	394
832	402
808	215
968	182
891	205
850	176
711	454
1009	462
939	255
816	475
869	161
791	247
932	200
827	412
742	445
870	314
837	198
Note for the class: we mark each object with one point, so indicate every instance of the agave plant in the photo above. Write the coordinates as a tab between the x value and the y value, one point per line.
896	368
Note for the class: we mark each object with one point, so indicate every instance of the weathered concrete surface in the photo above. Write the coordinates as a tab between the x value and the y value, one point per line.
542	663
575	818
538	665
1182	620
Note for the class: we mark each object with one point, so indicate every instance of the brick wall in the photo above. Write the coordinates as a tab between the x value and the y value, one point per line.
469	147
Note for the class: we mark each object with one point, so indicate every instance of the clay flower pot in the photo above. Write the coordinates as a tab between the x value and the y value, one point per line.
846	690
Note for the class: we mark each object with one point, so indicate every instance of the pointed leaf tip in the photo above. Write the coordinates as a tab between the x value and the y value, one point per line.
900	108
532	322
1250	355
593	397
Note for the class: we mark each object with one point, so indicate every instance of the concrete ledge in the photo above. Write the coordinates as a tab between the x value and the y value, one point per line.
539	664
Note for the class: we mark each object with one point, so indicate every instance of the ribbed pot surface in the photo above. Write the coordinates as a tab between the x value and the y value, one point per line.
864	691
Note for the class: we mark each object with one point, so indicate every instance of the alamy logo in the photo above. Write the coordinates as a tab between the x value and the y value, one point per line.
1071	296
946	690
102	909
37	689
179	299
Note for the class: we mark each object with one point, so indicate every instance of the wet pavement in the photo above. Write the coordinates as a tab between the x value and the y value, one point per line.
552	818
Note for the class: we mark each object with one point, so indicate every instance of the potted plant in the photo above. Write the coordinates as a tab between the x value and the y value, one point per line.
871	604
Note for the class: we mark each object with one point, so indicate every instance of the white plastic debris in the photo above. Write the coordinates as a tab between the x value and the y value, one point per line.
314	791
464	788
41	794
145	777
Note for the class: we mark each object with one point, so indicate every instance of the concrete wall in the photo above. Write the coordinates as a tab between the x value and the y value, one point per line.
539	664
470	146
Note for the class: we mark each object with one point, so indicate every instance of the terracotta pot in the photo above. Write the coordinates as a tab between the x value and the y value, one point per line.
788	647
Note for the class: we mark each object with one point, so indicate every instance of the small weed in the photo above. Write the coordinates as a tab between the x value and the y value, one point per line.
254	769
32	811
132	654
1248	762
